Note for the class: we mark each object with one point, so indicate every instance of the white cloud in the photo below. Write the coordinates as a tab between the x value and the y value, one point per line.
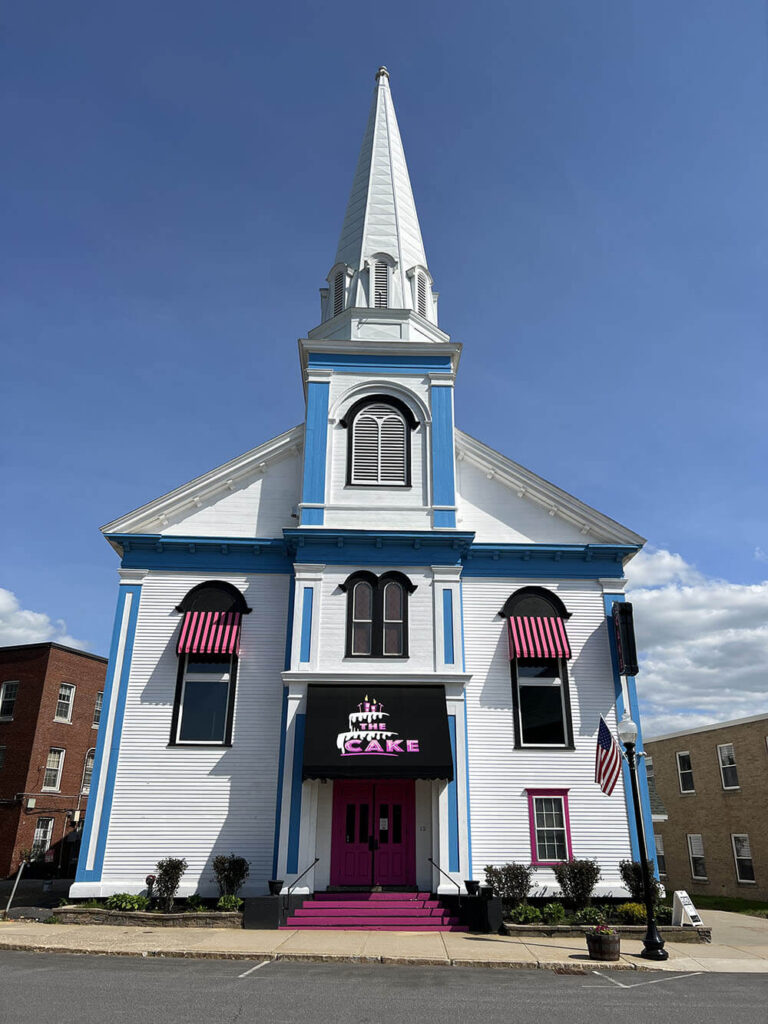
703	644
20	626
760	555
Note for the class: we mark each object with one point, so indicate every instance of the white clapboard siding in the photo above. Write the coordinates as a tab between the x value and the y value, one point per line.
199	802
260	505
500	774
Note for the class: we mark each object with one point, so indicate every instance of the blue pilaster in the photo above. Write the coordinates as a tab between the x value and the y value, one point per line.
315	450
443	477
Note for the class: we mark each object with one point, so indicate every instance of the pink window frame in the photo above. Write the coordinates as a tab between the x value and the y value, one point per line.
563	794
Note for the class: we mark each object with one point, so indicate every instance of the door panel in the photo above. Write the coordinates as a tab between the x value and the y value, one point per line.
351	856
394	859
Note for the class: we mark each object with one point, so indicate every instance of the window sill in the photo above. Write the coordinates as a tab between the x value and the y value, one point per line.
544	746
6	718
378	487
375	657
731	789
687	792
746	881
63	721
95	725
49	789
700	881
197	746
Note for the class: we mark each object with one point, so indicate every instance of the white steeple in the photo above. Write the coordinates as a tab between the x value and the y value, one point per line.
380	261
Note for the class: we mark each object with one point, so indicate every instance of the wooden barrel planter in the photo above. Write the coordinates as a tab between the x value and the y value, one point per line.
602	946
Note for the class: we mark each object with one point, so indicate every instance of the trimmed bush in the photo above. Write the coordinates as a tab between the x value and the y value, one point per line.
663	914
525	914
229	902
512	882
631	872
231	873
126	901
577	880
631	913
195	903
590	915
553	913
169	872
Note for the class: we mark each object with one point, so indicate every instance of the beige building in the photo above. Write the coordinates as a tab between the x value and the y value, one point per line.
713	784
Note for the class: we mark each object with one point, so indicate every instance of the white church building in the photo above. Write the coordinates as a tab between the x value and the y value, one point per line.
372	651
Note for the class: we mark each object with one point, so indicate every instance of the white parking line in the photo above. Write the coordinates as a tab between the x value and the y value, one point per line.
252	969
637	984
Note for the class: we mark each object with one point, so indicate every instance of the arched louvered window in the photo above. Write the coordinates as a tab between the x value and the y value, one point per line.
338	293
421	294
379	435
380	284
377	614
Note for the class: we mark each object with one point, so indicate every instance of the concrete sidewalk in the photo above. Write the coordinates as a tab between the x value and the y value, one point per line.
425	948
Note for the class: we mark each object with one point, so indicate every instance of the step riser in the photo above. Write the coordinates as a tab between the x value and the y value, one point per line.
362	912
377	928
372	896
361	922
375	907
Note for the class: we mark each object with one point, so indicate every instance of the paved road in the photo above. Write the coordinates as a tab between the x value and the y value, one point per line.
126	990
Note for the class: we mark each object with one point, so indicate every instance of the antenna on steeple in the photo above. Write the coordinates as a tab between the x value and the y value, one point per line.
382	72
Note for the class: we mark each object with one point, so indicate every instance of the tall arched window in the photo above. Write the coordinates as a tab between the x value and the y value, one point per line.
539	651
380	284
338	293
377	614
379	442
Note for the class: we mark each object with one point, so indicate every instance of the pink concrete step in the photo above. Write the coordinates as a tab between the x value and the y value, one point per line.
376	928
308	910
372	896
375	907
392	920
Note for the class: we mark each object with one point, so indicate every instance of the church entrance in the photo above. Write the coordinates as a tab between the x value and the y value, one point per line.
373	833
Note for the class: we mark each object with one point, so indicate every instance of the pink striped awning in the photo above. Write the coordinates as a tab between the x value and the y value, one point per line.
210	633
534	637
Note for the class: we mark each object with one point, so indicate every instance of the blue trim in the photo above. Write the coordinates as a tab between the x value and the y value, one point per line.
634	710
313	516
203	554
466	732
306	624
344	362
560	561
443	483
444	519
371	547
107	760
292	865
448	626
315	449
283	721
453	804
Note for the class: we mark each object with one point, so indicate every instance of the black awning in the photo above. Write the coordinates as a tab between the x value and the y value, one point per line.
381	732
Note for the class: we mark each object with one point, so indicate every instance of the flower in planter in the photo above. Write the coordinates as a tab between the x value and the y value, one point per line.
603	929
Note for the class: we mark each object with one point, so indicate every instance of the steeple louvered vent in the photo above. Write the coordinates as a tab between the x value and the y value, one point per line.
381	285
338	293
421	294
379	437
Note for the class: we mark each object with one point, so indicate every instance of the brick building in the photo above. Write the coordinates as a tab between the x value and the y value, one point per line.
50	704
713	783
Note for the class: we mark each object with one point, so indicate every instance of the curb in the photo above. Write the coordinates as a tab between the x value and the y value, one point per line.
559	966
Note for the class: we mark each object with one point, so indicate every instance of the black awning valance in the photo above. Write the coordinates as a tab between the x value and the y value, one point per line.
383	732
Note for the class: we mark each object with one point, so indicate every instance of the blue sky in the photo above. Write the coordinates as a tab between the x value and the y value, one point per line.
591	183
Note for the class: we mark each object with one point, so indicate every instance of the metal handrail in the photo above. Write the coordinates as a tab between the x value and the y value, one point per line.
294	883
451	880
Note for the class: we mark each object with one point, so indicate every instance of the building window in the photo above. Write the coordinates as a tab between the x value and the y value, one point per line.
8	693
379	443
205	701
728	771
696	857
380	285
41	840
97	709
742	856
65	703
661	860
550	827
377	614
539	653
685	771
421	294
338	293
88	771
53	768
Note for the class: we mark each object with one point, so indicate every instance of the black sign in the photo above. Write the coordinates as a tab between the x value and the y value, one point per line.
624	628
380	732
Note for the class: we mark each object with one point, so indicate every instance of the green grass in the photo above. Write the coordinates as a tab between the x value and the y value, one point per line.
735	904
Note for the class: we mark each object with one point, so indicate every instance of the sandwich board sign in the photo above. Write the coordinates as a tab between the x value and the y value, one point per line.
683	910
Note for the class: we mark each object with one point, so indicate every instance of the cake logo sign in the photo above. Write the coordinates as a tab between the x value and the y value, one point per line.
368	734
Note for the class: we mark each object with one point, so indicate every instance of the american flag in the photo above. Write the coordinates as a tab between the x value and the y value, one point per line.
607	759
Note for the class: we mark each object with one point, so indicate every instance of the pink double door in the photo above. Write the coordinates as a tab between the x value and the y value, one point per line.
373	837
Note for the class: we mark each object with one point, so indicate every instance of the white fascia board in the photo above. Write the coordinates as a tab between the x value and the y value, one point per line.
215	480
527	484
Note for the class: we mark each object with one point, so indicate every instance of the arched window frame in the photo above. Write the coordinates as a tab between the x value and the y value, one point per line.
87	778
378	586
210	596
348	422
538	601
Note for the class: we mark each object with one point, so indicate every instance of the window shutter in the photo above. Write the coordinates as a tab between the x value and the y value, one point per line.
392	450
365	450
379	438
421	294
381	285
338	293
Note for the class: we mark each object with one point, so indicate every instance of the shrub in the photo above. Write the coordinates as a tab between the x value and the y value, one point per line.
663	914
553	913
231	873
195	903
127	901
631	913
590	915
169	872
632	876
525	914
229	902
577	880
512	882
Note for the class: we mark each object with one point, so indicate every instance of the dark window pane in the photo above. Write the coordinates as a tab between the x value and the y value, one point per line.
363	601
538	670
393	638
349	829
383	823
393	602
364	832
746	871
204	714
541	714
214	668
397	823
730	776
361	637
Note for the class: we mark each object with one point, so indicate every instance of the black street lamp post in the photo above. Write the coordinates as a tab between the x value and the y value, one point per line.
653	942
